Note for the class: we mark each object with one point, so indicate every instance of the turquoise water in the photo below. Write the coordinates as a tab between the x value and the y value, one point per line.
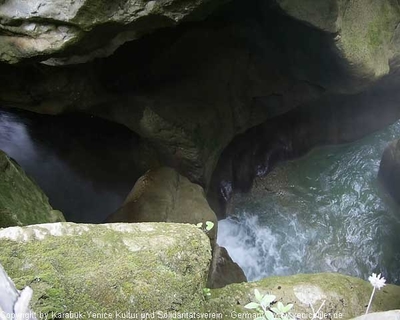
323	212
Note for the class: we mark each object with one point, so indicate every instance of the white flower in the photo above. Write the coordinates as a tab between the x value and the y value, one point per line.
377	281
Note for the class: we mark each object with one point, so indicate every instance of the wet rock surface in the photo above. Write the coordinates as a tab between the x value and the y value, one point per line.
389	170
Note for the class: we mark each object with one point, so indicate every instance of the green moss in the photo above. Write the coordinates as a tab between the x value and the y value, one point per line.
342	294
21	200
366	32
97	270
380	29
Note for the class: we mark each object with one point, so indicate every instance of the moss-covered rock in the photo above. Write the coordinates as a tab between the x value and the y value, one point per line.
21	200
108	268
163	195
366	33
363	31
343	295
150	267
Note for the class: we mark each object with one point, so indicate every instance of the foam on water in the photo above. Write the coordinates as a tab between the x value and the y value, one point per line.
329	215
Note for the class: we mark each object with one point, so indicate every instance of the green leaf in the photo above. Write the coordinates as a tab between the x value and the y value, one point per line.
252	305
209	225
287	308
267	299
269	315
276	310
199	225
280	306
257	295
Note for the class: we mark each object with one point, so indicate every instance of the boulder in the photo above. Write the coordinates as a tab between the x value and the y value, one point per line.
21	200
224	270
114	268
163	195
341	297
76	31
389	170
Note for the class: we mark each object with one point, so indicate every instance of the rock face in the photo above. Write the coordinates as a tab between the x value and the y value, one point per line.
191	89
341	119
147	267
108	268
365	32
21	200
224	270
163	195
200	76
150	267
84	29
343	295
389	170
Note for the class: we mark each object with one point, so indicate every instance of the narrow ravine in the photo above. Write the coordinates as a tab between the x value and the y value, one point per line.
323	212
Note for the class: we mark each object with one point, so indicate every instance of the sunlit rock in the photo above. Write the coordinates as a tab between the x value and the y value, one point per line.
163	195
108	268
333	295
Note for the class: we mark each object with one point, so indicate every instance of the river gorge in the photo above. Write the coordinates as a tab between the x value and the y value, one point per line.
276	121
323	212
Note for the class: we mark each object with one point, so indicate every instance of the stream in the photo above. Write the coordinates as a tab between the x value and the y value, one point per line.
325	212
